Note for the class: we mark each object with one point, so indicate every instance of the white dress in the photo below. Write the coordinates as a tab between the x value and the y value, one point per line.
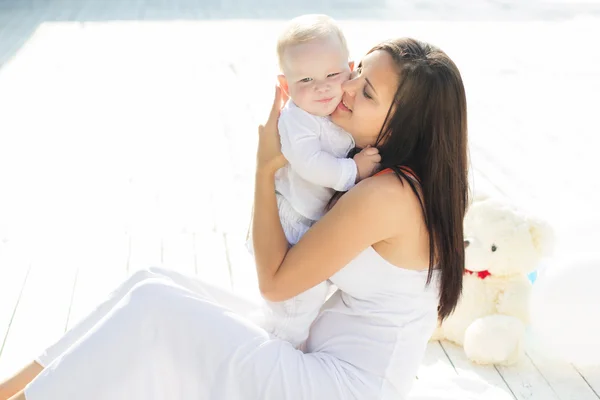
162	335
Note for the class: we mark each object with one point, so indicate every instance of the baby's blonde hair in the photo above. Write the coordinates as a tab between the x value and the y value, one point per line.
305	29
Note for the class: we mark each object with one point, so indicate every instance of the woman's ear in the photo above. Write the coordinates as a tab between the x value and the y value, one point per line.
283	84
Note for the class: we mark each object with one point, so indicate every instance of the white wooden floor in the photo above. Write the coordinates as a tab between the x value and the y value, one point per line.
129	144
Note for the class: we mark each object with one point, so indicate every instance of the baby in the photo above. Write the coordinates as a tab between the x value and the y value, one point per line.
313	58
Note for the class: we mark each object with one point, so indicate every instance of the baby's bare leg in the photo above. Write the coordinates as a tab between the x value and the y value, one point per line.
17	383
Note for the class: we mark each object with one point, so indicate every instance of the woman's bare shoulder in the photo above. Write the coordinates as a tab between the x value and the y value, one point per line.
391	194
398	204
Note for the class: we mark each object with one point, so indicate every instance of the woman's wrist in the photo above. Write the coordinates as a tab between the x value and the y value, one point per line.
270	244
265	172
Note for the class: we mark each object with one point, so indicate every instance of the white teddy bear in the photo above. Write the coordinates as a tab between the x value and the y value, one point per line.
502	246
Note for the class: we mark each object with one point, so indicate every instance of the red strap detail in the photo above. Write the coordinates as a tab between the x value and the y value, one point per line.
384	171
406	170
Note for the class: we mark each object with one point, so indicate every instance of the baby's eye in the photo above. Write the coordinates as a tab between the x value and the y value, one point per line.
332	75
367	95
305	80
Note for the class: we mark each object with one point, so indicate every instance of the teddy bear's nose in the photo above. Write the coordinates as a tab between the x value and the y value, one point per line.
467	243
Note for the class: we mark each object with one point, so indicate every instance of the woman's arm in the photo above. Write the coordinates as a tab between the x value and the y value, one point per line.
270	244
369	213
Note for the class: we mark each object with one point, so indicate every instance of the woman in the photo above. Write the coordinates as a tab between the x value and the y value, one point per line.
392	245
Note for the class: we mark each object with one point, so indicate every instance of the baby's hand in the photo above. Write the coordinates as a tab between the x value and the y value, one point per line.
367	161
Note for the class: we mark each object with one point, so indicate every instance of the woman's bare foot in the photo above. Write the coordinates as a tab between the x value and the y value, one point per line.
17	383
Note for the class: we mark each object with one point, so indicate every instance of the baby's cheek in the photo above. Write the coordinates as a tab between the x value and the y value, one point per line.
340	79
302	92
302	96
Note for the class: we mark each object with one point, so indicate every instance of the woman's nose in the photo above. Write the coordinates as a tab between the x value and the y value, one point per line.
349	87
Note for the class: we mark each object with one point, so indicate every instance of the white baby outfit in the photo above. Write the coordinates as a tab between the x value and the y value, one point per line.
316	151
161	335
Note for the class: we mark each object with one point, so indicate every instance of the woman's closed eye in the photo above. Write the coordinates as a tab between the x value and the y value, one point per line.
365	93
332	75
305	80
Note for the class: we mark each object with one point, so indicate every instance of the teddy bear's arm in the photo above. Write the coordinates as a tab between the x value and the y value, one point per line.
514	300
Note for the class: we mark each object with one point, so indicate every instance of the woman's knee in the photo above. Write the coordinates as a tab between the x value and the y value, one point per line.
145	274
140	276
158	271
152	296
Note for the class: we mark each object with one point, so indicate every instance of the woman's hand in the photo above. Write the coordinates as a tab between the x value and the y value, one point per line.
268	156
270	244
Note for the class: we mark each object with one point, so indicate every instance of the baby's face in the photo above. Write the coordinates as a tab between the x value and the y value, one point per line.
314	73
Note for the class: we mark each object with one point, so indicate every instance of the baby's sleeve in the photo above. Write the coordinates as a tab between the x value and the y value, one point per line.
301	146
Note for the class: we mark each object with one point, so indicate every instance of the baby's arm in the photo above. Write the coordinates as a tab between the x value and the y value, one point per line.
301	147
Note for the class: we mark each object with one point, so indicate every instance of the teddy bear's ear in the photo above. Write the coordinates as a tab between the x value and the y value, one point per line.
542	236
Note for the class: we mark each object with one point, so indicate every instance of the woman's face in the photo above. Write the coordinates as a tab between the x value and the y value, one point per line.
367	97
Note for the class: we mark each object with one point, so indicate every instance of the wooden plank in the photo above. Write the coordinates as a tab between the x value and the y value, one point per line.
178	253
591	376
493	178
14	268
185	203
243	271
435	363
526	381
143	216
233	188
480	183
145	250
564	379
103	265
43	309
210	257
464	367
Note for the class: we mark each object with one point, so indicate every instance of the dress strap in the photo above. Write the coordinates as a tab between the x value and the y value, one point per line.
406	170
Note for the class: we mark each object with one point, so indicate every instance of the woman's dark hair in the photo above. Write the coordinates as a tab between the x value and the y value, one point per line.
426	130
